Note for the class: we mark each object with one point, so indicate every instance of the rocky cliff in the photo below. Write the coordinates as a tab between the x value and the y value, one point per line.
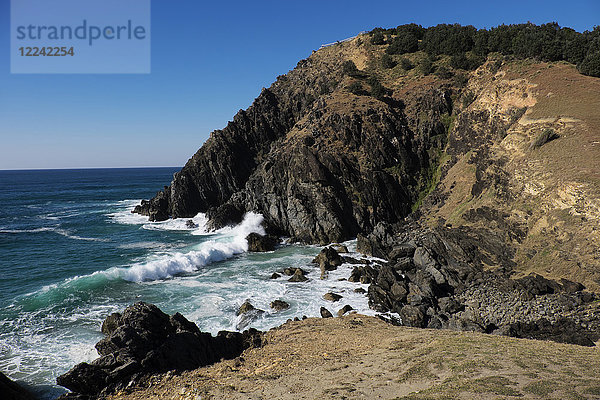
507	152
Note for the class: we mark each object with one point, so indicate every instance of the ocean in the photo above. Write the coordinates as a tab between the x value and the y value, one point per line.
71	253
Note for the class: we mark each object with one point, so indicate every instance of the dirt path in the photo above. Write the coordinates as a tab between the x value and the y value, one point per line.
359	357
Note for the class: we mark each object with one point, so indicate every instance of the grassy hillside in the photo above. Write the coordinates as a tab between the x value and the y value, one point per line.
358	357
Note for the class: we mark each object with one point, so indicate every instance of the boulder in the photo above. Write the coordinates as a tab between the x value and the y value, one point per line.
275	275
246	307
332	297
190	224
144	340
328	260
344	310
325	313
259	243
279	305
298	276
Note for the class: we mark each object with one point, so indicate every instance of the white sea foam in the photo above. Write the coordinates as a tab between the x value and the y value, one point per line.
225	245
126	217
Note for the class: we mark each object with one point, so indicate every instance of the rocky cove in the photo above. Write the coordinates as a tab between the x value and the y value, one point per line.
453	181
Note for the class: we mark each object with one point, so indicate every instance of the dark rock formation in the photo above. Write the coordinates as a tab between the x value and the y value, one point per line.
325	313
344	310
298	276
279	305
332	297
274	275
260	243
10	390
435	279
317	170
328	260
143	340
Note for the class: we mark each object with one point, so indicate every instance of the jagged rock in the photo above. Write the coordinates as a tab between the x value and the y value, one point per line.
245	308
13	391
562	331
291	271
344	310
190	224
340	248
111	323
259	243
325	313
328	260
145	341
279	305
412	316
360	290
332	297
350	260
275	275
298	276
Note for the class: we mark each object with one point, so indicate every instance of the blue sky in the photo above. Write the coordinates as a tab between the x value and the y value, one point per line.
208	61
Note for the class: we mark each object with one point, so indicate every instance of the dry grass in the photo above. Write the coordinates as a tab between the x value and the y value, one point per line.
358	357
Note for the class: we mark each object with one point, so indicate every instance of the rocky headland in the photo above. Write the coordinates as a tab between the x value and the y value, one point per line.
477	186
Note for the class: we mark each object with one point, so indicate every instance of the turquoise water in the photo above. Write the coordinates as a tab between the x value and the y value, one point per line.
71	253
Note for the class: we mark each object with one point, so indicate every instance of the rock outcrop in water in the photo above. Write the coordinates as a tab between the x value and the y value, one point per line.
12	391
143	341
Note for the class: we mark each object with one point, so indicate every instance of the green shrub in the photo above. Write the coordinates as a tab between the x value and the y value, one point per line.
377	38
405	43
426	66
387	61
355	88
590	65
349	68
444	72
406	64
377	89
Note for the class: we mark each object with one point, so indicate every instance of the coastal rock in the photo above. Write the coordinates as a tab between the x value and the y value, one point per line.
260	243
190	224
325	313
328	260
332	297
344	310
146	340
279	305
11	390
298	276
274	275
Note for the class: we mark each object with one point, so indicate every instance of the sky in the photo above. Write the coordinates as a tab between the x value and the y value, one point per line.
208	60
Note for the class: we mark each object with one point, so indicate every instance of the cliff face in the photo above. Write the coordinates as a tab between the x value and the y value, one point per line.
320	163
328	152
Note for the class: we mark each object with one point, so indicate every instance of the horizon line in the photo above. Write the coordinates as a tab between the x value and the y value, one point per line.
83	168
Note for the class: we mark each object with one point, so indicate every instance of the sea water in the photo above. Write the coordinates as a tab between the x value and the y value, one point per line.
71	253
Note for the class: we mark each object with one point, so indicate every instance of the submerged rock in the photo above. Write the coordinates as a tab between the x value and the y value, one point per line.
144	340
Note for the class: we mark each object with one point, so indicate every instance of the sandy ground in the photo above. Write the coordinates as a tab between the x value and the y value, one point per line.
359	357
